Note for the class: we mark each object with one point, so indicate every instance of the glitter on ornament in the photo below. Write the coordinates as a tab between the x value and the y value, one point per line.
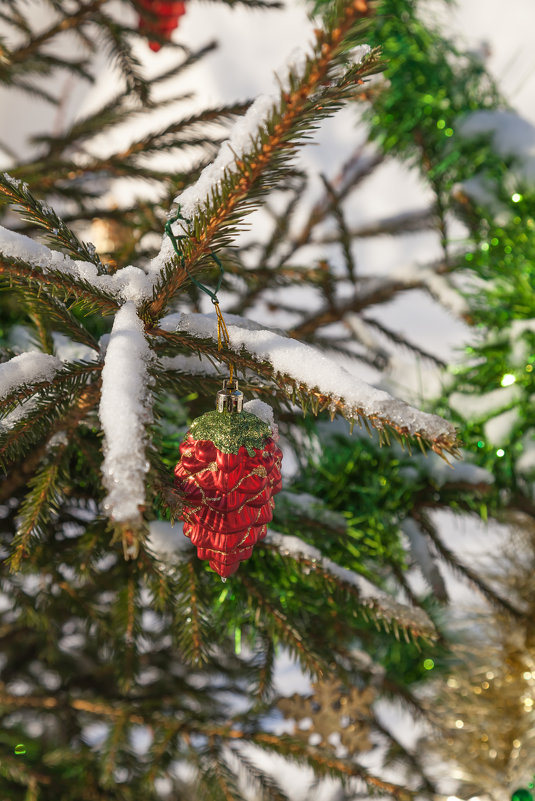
228	473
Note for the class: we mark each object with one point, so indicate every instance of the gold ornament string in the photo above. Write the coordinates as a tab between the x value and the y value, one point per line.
223	338
222	335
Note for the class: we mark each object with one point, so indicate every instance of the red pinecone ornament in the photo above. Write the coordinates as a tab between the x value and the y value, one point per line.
229	471
167	13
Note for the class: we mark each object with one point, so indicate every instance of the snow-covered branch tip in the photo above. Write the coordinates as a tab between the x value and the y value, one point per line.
301	370
20	256
263	143
28	368
125	412
377	603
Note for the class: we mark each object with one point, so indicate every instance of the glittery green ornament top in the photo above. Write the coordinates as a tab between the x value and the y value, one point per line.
229	431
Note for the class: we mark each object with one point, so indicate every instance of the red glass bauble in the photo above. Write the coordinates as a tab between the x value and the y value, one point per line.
167	13
228	497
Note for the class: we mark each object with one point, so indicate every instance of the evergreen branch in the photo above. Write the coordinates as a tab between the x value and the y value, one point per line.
113	742
57	316
215	781
376	292
39	505
325	765
14	770
280	229
71	172
120	50
193	632
409	757
277	622
35	90
44	334
264	784
192	57
449	557
67	285
397	225
71	376
399	339
68	21
344	237
83	404
121	108
16	20
381	608
265	676
46	409
316	399
353	172
322	763
32	210
96	708
312	96
264	4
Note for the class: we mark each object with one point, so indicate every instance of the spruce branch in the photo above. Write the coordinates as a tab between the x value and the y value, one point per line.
116	36
67	285
266	785
66	22
315	399
398	225
344	236
39	505
379	607
323	764
44	416
311	96
281	627
19	476
32	210
459	567
71	376
54	315
370	293
404	342
194	635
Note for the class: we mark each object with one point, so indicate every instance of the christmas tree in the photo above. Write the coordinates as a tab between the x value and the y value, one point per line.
128	667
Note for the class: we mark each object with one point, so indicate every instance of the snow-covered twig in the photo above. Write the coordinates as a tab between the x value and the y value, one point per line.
315	371
128	283
27	368
381	604
124	413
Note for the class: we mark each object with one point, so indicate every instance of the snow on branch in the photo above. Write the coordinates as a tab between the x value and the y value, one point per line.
129	283
124	413
28	368
378	602
299	365
263	143
438	285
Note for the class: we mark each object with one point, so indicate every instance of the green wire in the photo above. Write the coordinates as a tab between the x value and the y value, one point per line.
174	242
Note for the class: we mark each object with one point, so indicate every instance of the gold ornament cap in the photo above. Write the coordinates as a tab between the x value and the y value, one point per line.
229	399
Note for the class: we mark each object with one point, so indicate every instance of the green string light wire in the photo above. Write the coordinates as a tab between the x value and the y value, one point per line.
222	332
174	241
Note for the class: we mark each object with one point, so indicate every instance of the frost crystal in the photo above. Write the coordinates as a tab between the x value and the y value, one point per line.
124	413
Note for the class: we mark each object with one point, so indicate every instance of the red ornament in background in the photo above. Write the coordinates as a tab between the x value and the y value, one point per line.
167	13
229	471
